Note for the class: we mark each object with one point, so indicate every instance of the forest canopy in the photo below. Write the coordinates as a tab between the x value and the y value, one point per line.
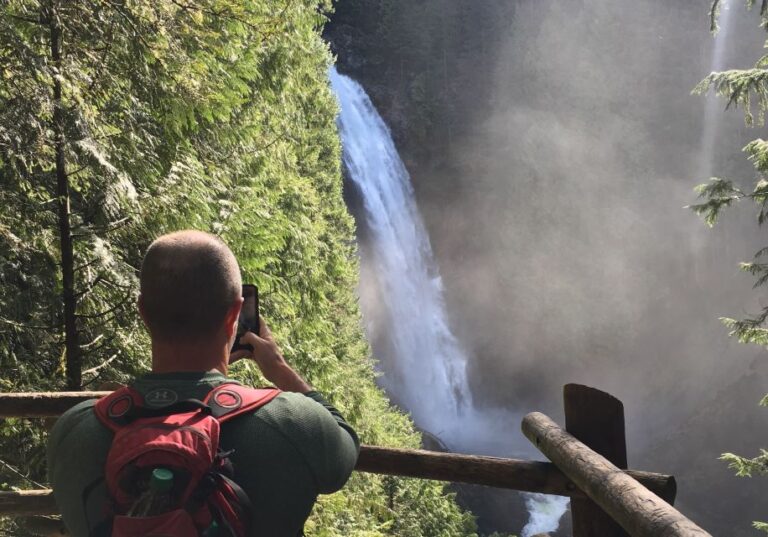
120	121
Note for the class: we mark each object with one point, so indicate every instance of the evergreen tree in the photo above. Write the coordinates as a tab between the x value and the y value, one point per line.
747	88
123	120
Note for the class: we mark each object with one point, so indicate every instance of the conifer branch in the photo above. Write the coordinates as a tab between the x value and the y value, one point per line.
86	265
29	326
78	171
101	366
223	13
90	287
18	473
137	32
95	349
88	231
116	285
92	342
39	22
102	62
113	309
746	467
748	330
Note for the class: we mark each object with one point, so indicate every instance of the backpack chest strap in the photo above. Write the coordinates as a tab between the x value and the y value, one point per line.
229	400
226	401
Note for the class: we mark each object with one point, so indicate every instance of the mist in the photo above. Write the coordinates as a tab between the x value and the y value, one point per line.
553	189
568	256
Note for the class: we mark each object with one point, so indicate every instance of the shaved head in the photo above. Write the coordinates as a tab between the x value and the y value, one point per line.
189	280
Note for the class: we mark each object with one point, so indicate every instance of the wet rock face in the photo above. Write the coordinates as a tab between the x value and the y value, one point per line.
497	510
341	38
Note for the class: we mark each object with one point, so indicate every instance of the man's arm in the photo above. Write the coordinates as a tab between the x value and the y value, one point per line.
342	457
329	444
270	360
340	421
77	450
326	443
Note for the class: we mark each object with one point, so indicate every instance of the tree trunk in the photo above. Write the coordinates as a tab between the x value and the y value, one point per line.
71	334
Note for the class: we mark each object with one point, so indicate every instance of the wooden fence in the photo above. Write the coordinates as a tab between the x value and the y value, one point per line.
589	464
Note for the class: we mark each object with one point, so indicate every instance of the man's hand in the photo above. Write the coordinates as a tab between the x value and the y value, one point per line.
270	360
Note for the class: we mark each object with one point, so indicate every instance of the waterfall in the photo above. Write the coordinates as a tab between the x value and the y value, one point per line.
713	113
424	369
703	258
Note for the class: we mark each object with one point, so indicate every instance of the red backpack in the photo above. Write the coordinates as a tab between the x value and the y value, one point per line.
158	431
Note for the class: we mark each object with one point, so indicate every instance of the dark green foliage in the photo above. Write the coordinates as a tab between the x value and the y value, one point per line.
746	88
207	114
718	194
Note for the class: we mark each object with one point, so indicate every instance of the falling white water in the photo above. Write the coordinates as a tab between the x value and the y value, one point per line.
426	370
713	117
423	368
544	513
713	113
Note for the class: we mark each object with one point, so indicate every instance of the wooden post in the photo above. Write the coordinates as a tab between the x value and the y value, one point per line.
597	419
639	511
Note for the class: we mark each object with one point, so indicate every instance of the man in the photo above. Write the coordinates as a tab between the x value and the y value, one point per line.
285	453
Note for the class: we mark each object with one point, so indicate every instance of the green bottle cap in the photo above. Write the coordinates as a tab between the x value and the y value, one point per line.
212	531
162	480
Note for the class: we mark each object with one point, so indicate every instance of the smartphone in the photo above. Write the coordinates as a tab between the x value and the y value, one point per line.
249	316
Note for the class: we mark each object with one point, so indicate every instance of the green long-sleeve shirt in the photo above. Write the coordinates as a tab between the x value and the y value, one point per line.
286	453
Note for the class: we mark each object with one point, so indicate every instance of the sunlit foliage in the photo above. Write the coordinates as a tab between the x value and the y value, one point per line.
158	115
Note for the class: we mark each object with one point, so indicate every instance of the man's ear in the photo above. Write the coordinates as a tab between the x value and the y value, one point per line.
233	314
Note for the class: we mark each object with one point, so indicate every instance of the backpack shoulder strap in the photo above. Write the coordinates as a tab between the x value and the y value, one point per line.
112	409
230	400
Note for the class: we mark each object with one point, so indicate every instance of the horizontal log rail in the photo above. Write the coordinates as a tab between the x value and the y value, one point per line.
635	508
27	503
528	476
42	404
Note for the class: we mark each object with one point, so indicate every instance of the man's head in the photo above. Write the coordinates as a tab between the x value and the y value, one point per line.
190	287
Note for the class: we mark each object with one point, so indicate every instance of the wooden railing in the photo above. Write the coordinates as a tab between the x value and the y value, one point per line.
588	465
